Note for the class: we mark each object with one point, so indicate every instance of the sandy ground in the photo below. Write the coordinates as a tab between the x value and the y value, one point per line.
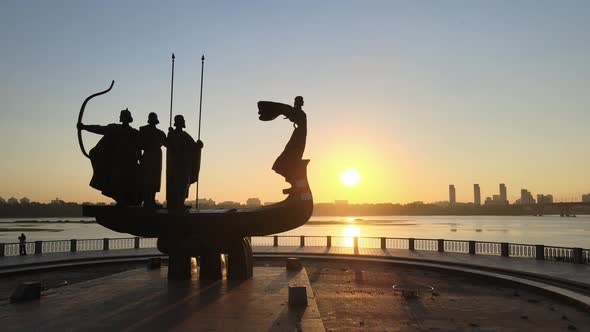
359	296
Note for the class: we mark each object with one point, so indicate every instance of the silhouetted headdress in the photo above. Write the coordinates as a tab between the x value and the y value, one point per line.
125	116
298	101
153	118
179	121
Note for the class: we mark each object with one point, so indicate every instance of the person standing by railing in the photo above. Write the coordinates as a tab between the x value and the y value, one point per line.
22	246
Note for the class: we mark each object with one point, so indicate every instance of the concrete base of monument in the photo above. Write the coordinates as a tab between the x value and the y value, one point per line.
145	300
240	261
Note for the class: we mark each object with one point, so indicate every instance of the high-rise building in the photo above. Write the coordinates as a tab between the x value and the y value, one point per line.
586	198
253	202
476	194
548	199
452	196
503	195
526	197
544	199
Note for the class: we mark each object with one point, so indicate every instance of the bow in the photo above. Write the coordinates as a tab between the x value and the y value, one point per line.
82	113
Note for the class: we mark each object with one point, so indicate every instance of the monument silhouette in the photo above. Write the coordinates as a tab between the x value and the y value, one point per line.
115	160
183	159
151	141
205	234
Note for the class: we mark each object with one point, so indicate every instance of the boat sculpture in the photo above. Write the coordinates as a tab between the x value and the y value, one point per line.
205	234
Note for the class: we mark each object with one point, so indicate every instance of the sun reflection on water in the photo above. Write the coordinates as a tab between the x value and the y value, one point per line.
349	232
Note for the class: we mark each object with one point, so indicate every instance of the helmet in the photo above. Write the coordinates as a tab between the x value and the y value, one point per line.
153	118
179	121
125	116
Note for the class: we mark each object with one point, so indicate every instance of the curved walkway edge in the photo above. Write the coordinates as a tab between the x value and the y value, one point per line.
569	281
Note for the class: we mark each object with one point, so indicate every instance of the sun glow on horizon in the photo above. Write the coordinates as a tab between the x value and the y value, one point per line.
350	177
349	232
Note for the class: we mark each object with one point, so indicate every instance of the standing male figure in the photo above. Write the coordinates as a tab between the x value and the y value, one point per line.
115	160
151	140
22	245
183	162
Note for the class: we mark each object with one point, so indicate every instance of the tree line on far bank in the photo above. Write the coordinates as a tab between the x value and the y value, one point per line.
63	210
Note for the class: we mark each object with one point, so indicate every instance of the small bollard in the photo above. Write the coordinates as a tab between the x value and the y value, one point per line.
154	263
472	247
294	264
38	247
297	296
504	249
540	252
577	256
26	291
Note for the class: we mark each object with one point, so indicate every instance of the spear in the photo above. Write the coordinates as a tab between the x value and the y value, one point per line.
199	130
171	91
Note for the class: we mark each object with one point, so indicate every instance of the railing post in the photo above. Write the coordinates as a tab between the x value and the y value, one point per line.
275	241
472	247
356	242
2	248
73	245
329	241
136	242
441	245
105	244
504	252
411	244
540	252
302	241
38	247
383	243
577	255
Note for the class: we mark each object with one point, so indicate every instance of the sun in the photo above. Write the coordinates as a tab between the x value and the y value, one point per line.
350	177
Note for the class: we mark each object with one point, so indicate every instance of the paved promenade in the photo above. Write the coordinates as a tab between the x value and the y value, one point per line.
578	274
145	300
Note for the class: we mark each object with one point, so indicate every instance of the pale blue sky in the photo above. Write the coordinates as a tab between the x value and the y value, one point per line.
416	94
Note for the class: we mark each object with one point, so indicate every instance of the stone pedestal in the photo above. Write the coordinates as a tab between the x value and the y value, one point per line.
210	265
297	296
294	264
240	261
179	267
26	291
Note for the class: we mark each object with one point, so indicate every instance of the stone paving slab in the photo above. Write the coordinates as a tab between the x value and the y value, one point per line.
141	300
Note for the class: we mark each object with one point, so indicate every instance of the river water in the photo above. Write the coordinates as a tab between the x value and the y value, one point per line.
548	230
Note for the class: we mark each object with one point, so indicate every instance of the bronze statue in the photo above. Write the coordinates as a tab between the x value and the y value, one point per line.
183	157
207	233
115	160
288	164
151	139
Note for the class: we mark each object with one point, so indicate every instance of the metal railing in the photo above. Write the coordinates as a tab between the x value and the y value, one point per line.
540	252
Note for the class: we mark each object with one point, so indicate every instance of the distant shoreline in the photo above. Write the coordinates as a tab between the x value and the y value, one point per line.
74	210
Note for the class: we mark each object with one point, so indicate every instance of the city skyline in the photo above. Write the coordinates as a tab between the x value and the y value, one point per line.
476	198
412	95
